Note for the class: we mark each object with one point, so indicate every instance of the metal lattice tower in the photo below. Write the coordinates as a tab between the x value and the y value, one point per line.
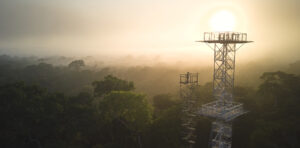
224	109
188	82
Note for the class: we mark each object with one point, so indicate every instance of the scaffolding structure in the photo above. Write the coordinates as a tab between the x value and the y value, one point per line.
223	109
188	82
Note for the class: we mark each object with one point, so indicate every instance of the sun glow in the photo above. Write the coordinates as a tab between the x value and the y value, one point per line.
222	21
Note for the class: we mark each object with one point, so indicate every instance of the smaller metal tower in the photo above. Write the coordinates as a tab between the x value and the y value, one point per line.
224	109
188	83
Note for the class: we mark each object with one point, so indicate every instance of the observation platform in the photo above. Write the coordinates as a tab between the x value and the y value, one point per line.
189	78
224	111
225	37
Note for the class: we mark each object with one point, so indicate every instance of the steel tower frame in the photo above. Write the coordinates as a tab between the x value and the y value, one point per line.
188	82
223	109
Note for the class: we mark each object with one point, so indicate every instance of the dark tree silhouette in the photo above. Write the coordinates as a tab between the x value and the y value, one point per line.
77	64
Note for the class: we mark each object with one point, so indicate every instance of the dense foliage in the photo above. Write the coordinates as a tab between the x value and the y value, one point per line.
111	83
110	114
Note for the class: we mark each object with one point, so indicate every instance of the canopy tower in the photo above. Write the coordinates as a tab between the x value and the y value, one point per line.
188	82
223	109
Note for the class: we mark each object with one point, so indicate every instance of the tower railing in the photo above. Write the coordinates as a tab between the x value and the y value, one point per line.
225	36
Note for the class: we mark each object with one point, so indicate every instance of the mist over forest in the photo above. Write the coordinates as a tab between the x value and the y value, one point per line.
106	73
86	102
151	76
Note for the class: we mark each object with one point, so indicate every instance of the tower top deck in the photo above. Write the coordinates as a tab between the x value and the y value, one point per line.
225	37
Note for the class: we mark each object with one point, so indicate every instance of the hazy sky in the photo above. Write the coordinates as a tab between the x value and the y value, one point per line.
166	28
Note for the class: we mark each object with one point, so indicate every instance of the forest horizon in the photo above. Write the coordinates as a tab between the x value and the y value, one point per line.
149	74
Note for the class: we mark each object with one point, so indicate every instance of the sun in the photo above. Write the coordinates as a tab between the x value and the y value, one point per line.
222	21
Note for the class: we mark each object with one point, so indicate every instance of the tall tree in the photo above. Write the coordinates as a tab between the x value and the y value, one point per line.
76	64
111	83
127	115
